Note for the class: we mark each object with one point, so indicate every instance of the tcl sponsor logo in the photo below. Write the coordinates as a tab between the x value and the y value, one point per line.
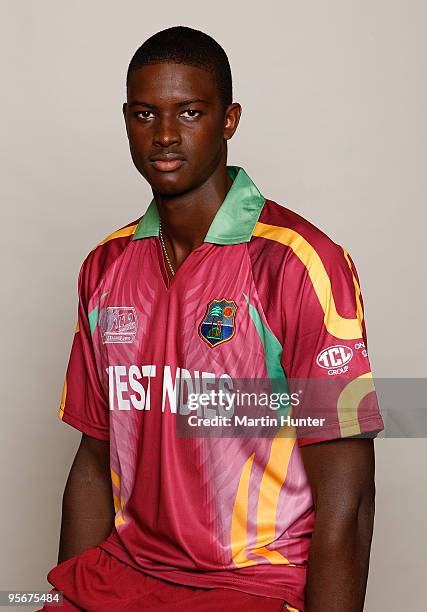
335	359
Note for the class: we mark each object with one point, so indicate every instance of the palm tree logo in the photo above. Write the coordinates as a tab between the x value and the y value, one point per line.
216	322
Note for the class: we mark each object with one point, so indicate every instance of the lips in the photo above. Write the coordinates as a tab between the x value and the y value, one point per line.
167	163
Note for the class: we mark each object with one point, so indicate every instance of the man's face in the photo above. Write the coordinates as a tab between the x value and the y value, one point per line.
176	125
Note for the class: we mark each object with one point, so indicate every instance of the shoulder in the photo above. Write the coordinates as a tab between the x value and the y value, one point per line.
103	255
299	242
317	276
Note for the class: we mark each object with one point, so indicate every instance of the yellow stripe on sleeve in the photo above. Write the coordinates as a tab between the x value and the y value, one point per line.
340	327
348	403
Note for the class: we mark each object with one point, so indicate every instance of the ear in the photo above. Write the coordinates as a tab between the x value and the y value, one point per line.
124	109
231	119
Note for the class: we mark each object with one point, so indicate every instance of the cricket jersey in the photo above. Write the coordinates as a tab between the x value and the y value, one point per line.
267	296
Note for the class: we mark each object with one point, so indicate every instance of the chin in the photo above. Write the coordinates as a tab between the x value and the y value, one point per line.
169	190
168	183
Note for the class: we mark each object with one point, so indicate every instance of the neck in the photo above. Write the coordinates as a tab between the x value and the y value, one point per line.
186	218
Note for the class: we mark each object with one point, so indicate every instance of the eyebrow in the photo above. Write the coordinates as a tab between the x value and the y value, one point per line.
179	104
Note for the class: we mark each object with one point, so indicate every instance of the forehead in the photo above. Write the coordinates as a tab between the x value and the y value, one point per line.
171	83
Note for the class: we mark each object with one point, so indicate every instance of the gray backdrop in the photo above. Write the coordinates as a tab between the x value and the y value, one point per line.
333	126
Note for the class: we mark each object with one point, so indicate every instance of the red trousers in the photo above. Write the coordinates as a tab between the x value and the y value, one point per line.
96	581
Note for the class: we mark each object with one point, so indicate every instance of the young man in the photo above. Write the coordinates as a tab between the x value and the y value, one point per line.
213	283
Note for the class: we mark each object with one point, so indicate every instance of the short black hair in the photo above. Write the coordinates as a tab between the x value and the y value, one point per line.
183	45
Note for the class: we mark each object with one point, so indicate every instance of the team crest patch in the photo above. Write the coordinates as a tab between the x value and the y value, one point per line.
218	324
118	324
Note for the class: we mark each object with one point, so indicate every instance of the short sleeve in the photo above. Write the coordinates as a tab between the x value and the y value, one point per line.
84	404
325	352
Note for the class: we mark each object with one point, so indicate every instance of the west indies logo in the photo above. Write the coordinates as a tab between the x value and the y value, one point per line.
218	324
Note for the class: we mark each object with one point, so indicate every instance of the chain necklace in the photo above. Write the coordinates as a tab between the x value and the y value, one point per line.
164	249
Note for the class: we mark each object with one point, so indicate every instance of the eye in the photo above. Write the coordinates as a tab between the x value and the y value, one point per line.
145	114
191	113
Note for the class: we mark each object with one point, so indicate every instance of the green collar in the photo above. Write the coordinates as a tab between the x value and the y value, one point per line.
234	221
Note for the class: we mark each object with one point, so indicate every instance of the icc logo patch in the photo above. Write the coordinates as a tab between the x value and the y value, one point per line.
218	324
118	324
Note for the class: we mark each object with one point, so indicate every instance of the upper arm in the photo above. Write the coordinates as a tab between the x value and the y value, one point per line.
341	474
92	460
98	450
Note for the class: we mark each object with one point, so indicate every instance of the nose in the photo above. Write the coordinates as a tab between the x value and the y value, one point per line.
167	133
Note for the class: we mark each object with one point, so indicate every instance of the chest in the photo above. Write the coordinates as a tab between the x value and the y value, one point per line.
206	322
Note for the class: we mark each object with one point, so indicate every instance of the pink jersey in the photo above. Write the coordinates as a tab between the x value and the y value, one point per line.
266	296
